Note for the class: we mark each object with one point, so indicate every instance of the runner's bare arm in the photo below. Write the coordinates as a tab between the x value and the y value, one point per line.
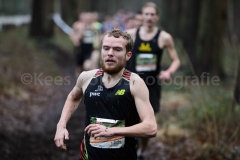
146	128
69	108
132	33
165	41
76	34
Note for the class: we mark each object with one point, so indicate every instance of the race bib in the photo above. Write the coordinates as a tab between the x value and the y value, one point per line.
89	36
146	62
108	142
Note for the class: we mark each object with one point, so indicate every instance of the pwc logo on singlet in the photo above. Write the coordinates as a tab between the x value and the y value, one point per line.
94	94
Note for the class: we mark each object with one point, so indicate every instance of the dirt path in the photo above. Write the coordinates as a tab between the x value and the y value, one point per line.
33	140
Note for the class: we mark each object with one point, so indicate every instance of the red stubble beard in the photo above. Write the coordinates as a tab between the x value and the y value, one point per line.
113	69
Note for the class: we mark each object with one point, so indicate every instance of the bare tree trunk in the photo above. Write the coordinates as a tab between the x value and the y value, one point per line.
234	29
71	10
189	26
236	12
237	87
210	37
170	16
41	25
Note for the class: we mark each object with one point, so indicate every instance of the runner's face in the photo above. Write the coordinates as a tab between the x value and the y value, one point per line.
113	54
138	20
150	16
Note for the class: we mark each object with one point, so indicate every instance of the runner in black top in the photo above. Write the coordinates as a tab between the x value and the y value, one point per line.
145	62
108	105
147	53
85	37
115	100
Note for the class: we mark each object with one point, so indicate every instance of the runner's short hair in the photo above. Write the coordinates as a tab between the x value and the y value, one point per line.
151	4
119	33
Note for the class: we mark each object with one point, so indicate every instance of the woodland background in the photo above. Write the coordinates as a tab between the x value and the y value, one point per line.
199	120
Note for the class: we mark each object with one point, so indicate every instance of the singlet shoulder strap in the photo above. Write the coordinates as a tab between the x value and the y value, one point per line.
126	74
157	34
137	34
98	73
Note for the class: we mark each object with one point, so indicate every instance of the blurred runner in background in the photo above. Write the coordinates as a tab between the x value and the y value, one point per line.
149	42
85	37
138	19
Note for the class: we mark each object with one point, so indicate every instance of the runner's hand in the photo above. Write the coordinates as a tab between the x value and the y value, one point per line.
165	75
98	130
61	135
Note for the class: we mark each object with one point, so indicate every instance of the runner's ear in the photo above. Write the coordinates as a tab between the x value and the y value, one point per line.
128	55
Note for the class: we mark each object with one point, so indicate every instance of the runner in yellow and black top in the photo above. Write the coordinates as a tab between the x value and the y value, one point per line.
147	53
115	100
145	62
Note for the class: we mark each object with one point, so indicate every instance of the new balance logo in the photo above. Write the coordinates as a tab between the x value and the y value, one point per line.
120	92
